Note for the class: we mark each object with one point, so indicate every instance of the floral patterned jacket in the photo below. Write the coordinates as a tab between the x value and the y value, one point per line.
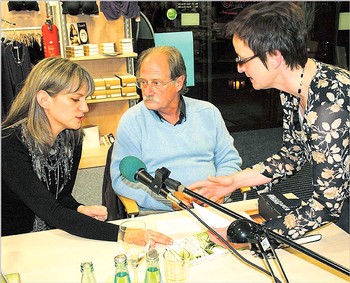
322	138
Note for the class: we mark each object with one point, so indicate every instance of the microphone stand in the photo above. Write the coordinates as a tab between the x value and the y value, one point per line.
159	184
269	233
233	250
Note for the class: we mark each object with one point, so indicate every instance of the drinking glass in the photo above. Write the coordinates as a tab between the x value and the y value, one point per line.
176	266
134	242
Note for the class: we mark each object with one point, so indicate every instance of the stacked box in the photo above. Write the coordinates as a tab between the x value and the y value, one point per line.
125	45
107	47
100	89
74	51
128	83
90	49
113	86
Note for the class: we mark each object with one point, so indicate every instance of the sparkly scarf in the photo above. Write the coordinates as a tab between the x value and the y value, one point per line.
57	163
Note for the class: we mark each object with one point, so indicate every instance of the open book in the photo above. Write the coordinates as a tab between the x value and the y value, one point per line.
200	247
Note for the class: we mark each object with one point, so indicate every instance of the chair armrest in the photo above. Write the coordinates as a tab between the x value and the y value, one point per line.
244	191
131	207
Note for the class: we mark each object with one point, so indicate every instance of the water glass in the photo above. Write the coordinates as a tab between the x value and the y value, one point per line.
176	265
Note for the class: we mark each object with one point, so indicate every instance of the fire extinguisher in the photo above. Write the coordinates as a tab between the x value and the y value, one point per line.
50	39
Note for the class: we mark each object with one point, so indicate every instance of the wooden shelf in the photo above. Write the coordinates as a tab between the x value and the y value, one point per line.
103	57
109	99
105	113
93	157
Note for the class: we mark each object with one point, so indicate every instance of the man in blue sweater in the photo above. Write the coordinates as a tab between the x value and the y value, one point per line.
167	129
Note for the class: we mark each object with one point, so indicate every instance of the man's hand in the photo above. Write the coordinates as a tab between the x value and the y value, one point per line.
215	188
187	200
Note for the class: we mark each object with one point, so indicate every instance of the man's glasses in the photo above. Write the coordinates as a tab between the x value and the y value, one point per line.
142	84
241	61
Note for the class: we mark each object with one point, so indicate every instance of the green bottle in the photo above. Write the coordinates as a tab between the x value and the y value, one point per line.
87	272
152	272
121	269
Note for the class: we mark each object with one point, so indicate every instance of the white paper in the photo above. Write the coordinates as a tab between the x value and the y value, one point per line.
210	217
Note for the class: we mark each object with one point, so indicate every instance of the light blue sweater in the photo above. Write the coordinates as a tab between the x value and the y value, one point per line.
200	146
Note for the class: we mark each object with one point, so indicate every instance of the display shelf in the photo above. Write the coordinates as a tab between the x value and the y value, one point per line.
110	99
104	57
104	113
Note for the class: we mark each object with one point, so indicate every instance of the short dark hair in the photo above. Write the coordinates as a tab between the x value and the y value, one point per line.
269	26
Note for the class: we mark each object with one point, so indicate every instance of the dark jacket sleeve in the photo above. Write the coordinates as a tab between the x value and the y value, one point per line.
23	190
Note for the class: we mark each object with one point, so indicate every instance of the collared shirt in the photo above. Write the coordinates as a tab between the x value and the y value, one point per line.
182	117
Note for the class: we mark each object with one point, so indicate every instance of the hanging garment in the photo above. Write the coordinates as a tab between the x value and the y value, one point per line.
114	9
80	7
16	66
23	5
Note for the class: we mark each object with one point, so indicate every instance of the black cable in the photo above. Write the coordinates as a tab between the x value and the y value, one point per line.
276	257
232	250
272	234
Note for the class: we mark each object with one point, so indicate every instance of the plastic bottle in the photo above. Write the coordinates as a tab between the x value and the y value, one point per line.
87	272
152	272
121	269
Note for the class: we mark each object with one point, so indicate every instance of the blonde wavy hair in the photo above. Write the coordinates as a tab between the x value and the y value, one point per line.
52	75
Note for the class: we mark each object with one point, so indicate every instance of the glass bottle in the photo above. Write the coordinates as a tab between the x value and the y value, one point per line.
87	272
152	272
121	269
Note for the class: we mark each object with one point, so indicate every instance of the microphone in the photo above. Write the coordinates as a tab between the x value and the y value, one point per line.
134	170
241	231
244	230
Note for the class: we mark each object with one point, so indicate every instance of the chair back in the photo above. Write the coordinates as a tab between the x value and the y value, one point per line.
115	207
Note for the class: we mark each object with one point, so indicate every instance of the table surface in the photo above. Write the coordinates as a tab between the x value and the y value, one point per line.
55	256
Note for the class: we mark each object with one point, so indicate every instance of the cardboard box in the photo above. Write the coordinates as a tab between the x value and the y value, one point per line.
127	79
108	47
99	84
99	94
114	92
129	90
75	47
112	82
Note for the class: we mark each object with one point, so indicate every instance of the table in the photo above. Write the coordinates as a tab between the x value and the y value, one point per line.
55	256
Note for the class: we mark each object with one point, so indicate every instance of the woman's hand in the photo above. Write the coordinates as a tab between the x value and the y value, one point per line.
97	211
159	238
223	233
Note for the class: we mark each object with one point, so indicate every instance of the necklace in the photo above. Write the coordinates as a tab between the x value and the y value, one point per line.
300	84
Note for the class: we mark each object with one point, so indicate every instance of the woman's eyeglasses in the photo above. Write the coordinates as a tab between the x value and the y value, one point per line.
241	61
142	84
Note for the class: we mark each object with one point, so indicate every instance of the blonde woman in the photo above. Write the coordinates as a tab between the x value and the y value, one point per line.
41	149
